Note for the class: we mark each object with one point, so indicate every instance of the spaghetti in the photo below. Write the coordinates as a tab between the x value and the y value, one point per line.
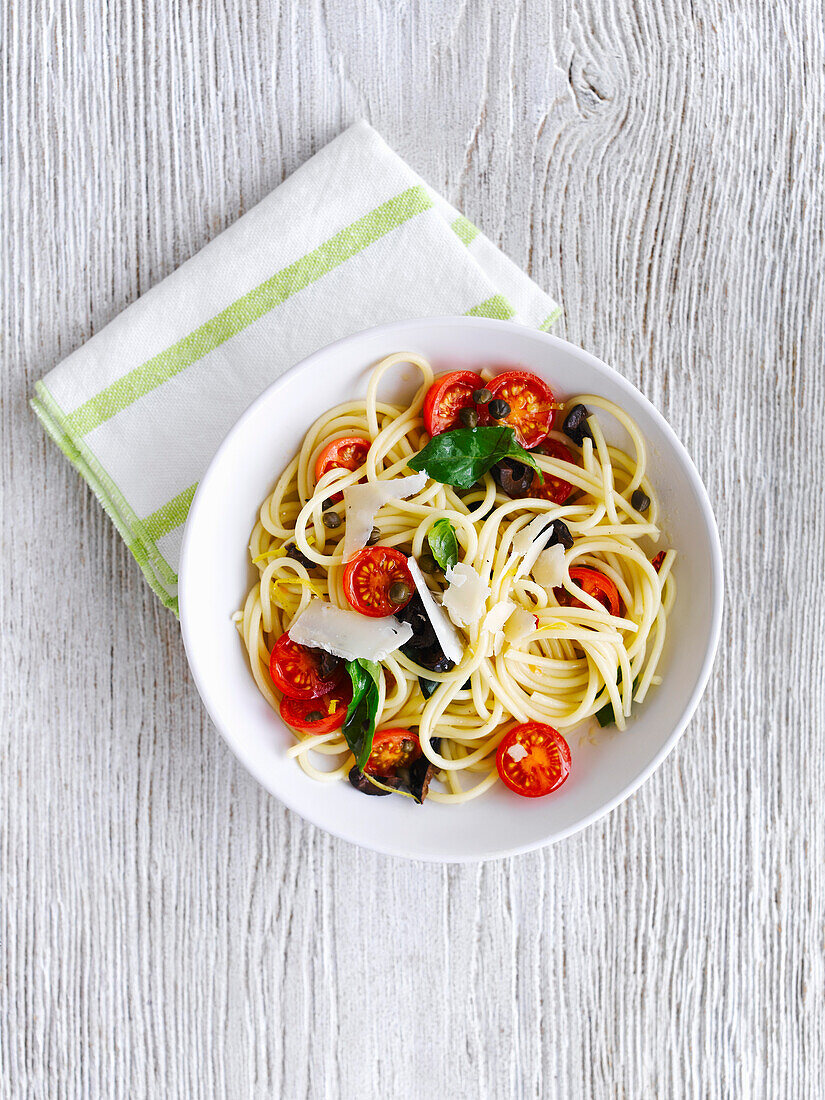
582	654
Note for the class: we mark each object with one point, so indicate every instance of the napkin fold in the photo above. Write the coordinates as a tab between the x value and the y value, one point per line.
352	239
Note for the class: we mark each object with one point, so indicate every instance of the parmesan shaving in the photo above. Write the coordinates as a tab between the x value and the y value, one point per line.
528	535
466	596
550	569
496	617
448	637
347	634
363	502
530	542
521	623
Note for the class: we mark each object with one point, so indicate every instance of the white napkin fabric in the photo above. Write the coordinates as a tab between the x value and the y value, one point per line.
352	239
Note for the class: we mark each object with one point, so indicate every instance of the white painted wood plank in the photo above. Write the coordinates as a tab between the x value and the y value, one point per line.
166	929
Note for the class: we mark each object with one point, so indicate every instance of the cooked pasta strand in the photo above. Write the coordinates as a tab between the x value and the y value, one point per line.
579	657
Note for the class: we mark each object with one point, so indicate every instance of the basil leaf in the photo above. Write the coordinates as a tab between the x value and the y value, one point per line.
428	686
464	455
443	543
359	725
606	716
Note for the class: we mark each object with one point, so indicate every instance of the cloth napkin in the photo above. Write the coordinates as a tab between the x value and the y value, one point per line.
352	239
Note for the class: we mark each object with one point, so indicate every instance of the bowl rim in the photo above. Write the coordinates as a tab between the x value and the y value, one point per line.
717	582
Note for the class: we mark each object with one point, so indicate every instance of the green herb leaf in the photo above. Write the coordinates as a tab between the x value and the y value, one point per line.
606	716
443	543
359	725
464	455
428	686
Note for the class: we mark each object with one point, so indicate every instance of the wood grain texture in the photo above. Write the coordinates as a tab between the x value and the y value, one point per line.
166	928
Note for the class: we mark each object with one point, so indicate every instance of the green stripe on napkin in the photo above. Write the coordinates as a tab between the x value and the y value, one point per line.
497	307
436	264
243	312
464	229
68	429
171	515
155	567
550	319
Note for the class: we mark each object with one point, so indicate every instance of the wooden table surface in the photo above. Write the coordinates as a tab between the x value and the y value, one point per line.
169	930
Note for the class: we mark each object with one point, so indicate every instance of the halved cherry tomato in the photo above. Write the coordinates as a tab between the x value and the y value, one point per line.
369	576
301	672
446	397
533	759
392	749
332	707
532	405
595	584
347	453
554	488
657	561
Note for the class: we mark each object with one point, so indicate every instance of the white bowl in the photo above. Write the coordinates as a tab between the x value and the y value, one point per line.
215	575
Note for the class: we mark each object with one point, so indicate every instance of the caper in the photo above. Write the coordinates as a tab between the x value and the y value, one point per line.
498	409
482	397
400	592
375	535
640	500
331	519
427	563
469	418
314	716
407	746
